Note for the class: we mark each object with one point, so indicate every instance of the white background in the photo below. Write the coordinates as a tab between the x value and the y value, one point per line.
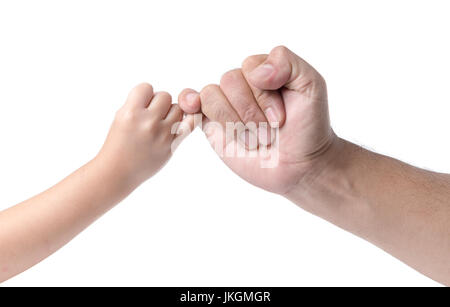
65	67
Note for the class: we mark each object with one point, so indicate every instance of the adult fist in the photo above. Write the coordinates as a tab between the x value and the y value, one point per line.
280	89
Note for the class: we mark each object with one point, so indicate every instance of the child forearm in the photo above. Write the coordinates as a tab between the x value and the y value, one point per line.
37	227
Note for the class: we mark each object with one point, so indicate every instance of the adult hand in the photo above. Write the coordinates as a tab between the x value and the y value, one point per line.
279	88
402	209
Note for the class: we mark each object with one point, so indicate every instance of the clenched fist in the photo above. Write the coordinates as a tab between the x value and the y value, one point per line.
286	94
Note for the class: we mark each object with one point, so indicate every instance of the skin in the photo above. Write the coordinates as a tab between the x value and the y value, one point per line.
137	146
402	209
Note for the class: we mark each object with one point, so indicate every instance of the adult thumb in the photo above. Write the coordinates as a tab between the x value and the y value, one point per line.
283	68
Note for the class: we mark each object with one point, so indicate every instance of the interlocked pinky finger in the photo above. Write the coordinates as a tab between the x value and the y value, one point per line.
174	115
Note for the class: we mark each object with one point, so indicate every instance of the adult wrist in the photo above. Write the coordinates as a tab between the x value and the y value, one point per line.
331	189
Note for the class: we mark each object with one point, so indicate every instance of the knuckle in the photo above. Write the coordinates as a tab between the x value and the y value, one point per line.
126	116
252	61
231	77
164	96
211	106
248	61
150	125
280	50
143	88
208	91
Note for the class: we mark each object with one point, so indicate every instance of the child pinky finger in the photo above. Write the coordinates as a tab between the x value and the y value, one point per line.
174	115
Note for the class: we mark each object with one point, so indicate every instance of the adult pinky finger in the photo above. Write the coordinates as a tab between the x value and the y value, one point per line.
189	101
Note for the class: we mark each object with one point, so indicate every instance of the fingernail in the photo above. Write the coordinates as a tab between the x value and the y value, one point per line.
262	71
272	116
191	97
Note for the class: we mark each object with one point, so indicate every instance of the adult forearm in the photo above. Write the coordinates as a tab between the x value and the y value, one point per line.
35	228
402	209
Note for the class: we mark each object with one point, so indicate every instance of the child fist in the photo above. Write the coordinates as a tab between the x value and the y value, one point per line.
139	141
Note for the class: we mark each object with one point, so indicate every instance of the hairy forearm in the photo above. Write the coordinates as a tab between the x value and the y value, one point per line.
37	227
402	209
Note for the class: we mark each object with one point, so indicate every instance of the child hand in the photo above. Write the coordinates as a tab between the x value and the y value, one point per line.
140	138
